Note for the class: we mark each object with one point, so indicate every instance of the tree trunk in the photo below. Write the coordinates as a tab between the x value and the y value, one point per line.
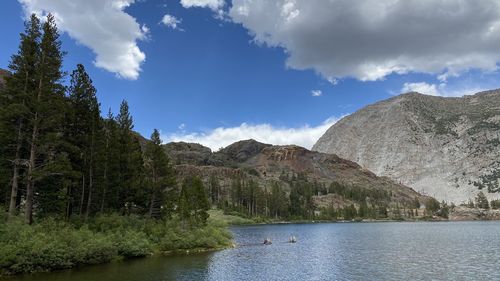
68	206
151	204
153	190
91	176
80	211
89	198
105	174
15	176
31	181
17	159
31	164
104	188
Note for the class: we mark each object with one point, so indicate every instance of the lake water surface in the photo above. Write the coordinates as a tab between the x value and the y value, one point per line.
330	251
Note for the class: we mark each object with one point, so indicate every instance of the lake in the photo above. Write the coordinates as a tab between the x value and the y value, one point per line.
329	251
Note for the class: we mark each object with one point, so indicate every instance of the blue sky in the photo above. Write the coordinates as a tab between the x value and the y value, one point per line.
217	71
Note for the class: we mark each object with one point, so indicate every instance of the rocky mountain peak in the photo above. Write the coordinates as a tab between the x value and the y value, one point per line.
445	147
243	150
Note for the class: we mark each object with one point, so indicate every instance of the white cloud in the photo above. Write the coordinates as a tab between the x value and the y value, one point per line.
316	93
215	5
442	89
170	21
220	137
421	87
368	40
101	25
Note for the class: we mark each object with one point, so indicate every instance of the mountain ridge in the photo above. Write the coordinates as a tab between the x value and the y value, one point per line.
268	164
446	147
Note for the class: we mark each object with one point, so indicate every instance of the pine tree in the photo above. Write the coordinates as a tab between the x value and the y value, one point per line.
215	190
13	100
47	111
160	173
482	201
130	161
184	203
84	127
200	202
193	202
110	161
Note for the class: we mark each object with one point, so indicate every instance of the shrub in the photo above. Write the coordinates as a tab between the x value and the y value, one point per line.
51	244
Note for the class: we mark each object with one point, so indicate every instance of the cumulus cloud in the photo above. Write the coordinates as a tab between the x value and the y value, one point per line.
170	21
102	26
441	89
304	136
215	5
369	40
316	93
421	87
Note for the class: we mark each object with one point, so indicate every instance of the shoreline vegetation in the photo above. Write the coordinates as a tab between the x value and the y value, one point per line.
52	244
459	213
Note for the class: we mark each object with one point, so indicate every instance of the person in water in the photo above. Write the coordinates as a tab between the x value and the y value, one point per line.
292	239
267	241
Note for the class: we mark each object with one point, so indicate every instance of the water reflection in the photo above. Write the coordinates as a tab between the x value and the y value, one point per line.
190	267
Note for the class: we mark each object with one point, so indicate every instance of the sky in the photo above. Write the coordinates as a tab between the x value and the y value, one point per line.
278	71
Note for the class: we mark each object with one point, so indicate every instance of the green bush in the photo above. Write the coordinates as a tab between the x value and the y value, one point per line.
50	244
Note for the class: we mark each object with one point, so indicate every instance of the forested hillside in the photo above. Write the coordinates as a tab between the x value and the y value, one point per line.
78	188
253	179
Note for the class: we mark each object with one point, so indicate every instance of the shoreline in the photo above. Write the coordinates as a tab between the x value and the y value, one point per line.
363	221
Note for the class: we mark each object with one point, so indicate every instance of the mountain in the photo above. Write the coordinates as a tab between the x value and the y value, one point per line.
3	73
333	179
446	147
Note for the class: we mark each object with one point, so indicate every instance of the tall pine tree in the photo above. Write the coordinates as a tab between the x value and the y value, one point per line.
130	161
160	174
13	113
47	111
83	128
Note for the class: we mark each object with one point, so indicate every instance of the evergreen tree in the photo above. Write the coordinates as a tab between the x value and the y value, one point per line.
193	202
160	174
278	203
13	105
215	190
47	111
432	206
130	162
83	128
111	165
200	202
482	201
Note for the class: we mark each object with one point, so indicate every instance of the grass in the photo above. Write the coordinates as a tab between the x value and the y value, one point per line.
230	219
51	244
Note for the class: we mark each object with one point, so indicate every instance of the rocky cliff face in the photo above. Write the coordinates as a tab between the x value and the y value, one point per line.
448	148
268	164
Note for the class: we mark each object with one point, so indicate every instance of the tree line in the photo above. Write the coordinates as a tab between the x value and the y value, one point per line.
293	198
60	157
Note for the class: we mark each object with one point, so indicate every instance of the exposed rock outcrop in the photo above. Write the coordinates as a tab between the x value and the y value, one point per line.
267	164
448	148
